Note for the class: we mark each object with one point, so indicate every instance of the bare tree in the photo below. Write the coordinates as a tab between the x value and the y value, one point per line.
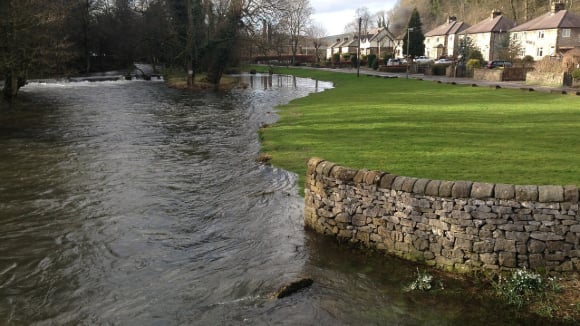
316	34
296	18
366	22
32	40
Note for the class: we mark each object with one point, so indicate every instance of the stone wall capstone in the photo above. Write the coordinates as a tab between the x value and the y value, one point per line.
456	225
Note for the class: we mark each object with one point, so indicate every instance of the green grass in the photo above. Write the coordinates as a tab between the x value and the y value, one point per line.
429	130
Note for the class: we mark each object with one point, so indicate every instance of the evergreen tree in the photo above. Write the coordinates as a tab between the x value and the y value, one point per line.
415	37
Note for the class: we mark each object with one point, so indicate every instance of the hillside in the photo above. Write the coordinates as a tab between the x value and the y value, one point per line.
435	12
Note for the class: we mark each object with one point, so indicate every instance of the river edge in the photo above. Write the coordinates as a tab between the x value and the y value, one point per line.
561	306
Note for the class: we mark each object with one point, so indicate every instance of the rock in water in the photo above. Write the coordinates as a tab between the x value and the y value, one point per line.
293	287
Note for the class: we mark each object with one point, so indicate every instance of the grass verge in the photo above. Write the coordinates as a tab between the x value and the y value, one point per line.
429	130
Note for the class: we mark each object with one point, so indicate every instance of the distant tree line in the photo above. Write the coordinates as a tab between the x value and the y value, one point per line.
42	38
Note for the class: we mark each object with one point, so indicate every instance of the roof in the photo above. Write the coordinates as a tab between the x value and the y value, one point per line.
496	24
448	28
550	20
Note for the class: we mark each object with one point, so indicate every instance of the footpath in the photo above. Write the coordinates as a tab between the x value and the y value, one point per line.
366	72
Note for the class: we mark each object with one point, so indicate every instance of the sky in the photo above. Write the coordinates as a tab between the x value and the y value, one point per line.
333	15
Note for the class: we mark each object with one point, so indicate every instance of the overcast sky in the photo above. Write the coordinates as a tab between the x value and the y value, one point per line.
334	14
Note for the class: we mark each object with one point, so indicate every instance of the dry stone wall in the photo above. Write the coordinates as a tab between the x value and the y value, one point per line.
457	225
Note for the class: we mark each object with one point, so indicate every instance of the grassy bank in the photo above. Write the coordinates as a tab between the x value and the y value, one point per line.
429	130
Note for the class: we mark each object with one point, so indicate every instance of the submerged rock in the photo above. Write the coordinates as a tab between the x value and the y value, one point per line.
293	287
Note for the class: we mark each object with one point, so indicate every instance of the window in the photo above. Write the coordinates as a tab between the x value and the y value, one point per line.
515	36
540	34
540	52
566	32
522	52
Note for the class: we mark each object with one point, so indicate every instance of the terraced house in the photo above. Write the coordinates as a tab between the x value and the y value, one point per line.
489	34
552	34
444	39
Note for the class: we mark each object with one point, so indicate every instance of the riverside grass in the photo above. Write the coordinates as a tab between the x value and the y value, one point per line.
429	130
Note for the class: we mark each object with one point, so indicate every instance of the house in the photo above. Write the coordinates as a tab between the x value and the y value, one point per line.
443	40
350	47
489	34
551	34
378	41
333	48
398	50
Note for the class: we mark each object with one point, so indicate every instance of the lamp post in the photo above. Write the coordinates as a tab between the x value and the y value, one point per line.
358	50
409	30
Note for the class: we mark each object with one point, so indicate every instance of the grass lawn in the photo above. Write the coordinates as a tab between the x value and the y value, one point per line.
429	130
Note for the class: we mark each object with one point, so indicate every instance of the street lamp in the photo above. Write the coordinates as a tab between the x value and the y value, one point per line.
409	30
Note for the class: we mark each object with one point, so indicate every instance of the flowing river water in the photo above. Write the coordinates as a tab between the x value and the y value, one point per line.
129	203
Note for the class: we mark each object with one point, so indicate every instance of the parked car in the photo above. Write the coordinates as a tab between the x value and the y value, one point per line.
499	63
394	62
422	59
444	61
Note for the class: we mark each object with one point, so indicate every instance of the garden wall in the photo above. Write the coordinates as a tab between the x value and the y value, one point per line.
547	79
457	225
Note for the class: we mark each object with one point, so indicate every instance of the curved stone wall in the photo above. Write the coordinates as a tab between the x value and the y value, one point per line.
457	225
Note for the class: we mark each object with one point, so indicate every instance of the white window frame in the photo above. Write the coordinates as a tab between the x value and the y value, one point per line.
540	52
566	32
540	34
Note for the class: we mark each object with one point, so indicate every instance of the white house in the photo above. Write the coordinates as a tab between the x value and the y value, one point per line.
488	35
378	41
443	39
551	34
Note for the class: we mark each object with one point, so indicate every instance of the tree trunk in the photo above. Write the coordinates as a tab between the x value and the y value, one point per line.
11	85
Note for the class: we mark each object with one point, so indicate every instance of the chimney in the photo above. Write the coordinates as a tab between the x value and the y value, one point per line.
451	19
557	6
495	13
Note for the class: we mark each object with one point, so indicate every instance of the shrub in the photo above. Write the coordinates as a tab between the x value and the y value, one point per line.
376	64
353	60
371	58
576	74
438	69
346	56
528	59
474	63
336	57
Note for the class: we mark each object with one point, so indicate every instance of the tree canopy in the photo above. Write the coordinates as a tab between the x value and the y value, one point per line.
413	43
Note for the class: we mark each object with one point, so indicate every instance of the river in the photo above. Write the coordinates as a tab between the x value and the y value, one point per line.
130	203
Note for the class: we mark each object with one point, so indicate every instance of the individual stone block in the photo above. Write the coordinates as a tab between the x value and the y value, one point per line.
482	190
504	245
398	183
343	174
360	176
432	188
526	193
312	164
408	184
387	181
483	246
504	191
546	236
373	177
571	194
547	194
507	259
445	188
461	189
420	186
327	168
